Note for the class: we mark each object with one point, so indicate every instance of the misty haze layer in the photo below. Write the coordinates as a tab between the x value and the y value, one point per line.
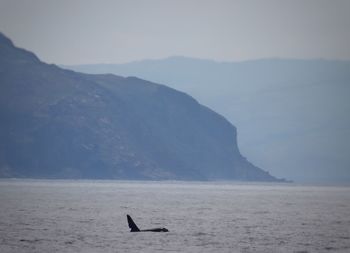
119	31
292	115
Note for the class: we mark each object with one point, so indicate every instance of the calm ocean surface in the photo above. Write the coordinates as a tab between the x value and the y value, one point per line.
90	216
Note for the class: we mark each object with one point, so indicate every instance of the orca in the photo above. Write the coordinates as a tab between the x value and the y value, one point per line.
134	228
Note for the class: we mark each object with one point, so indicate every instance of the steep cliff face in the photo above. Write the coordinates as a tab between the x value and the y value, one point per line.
57	123
292	115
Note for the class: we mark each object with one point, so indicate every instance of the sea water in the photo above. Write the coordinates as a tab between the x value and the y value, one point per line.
90	216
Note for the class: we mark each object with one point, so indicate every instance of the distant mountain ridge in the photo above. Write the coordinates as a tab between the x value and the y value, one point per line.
292	114
58	123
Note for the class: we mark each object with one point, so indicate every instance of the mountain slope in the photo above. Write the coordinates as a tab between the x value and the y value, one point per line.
58	123
292	115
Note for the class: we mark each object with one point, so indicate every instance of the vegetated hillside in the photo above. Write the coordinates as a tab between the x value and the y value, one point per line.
57	123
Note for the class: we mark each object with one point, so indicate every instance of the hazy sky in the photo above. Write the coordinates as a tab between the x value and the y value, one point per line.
81	31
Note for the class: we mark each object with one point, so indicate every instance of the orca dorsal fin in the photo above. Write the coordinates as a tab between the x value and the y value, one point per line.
132	224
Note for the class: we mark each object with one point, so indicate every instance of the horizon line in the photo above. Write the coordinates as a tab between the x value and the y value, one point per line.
273	58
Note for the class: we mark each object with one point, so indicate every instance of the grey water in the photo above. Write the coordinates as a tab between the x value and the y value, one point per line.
90	216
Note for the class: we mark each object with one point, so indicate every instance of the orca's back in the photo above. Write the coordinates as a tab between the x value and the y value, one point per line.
132	225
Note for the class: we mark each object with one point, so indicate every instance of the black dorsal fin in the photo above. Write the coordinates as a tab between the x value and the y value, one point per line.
132	224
